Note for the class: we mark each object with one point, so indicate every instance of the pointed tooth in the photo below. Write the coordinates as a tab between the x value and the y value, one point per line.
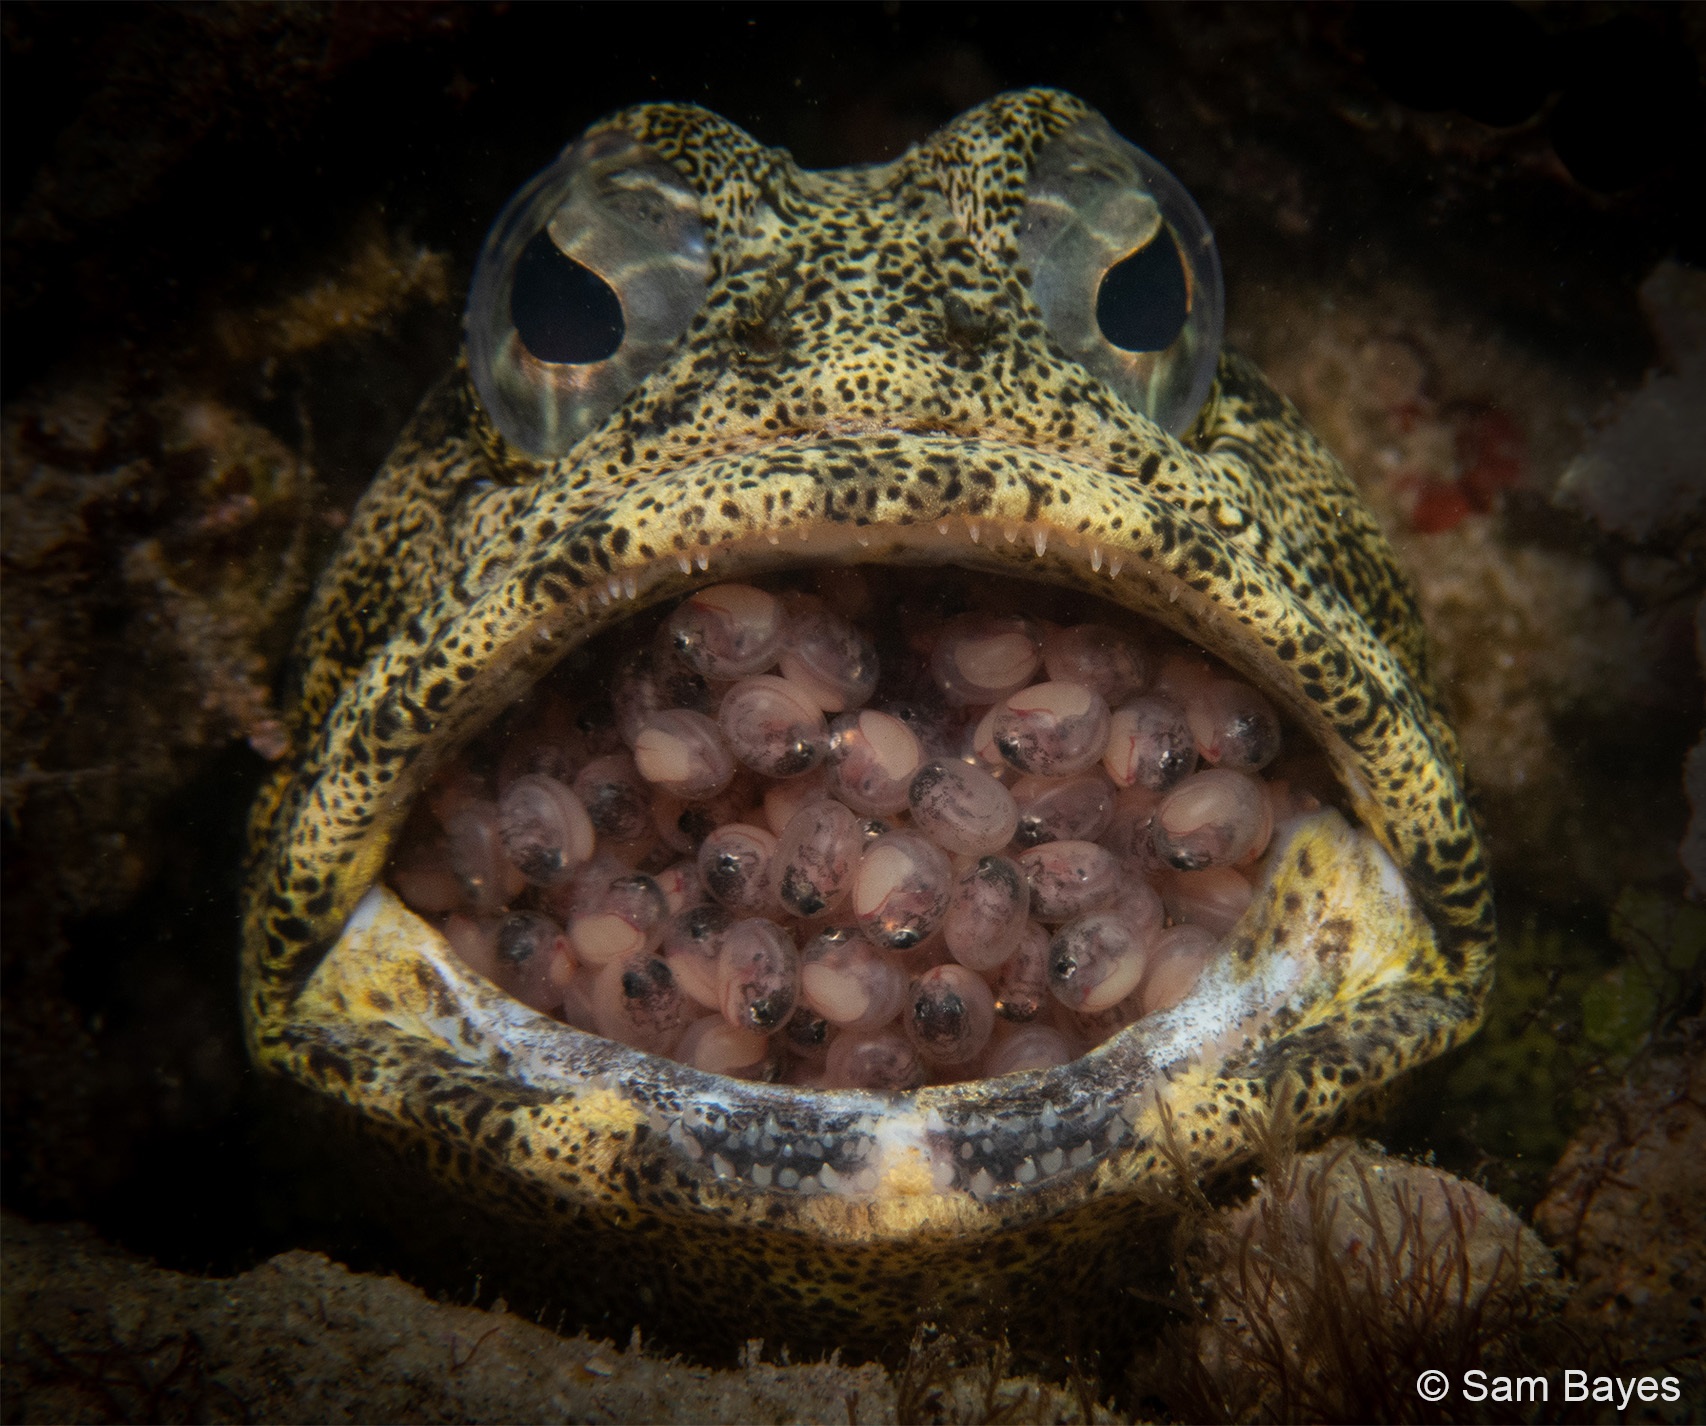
684	563
805	535
1095	557
1011	534
975	530
864	541
702	558
941	527
774	538
1039	539
1115	568
630	586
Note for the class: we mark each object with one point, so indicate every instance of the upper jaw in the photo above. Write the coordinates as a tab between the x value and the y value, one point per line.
1208	572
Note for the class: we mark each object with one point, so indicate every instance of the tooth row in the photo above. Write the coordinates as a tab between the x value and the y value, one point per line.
856	837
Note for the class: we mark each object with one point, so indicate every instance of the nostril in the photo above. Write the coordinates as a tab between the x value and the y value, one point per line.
967	325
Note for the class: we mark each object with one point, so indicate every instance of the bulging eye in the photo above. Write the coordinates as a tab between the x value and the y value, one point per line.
587	280
1124	268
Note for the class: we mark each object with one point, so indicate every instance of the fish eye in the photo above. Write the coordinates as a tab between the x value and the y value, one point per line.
1123	266
588	279
1144	300
563	311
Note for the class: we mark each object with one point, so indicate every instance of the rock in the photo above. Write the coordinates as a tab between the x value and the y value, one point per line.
1346	1274
1626	1210
88	1333
91	1334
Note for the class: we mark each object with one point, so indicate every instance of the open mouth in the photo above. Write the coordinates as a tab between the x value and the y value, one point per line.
791	856
861	828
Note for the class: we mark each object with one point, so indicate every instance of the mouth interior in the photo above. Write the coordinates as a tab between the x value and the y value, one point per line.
861	827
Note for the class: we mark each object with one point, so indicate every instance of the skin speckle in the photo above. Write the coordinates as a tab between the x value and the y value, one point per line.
867	365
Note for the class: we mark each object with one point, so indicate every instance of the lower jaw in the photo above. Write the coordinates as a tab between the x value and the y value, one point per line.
579	1175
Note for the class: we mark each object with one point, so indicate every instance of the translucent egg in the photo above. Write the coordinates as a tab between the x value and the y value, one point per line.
1234	725
1128	833
981	658
1052	729
772	727
950	1013
851	984
534	962
636	1002
811	870
546	831
1021	986
901	890
734	865
826	656
727	631
1213	899
882	1059
1069	809
1068	879
473	837
693	945
872	759
1095	962
617	918
1149	744
962	808
711	1044
758	975
1213	818
806	1036
987	912
682	752
1026	1047
1176	963
616	797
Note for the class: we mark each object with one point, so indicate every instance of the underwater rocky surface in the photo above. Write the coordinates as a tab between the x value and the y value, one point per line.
235	243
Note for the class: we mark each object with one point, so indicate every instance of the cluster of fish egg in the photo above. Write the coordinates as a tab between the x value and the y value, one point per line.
775	850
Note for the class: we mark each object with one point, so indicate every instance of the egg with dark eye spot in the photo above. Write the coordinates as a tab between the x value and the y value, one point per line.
968	402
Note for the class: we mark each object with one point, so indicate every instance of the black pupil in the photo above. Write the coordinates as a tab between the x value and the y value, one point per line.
1143	301
563	311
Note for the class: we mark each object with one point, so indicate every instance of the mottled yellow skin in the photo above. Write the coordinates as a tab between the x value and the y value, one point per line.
868	380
